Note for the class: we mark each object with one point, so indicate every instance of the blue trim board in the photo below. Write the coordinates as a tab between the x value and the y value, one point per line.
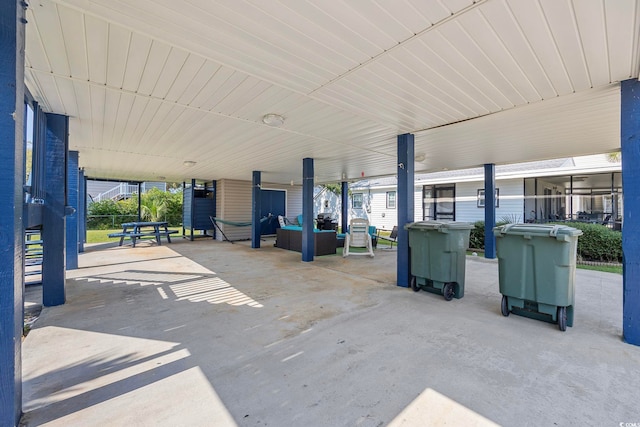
344	196
307	210
256	209
72	218
489	210
405	203
630	146
53	217
11	208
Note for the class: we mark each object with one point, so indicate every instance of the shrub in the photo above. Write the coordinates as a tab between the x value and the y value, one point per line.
476	237
598	243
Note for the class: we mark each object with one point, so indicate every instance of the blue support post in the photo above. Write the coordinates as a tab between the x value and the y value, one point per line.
344	194
82	210
139	202
307	210
53	216
214	187
630	146
72	218
489	210
256	225
11	201
405	202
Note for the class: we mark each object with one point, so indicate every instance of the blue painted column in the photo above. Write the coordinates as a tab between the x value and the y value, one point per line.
256	209
139	201
214	187
489	210
307	210
53	215
72	219
344	195
11	201
405	204
630	146
82	210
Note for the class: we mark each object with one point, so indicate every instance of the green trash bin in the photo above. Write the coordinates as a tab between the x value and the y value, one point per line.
438	255
537	268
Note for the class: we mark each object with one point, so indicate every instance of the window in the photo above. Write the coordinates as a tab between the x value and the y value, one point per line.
357	201
391	199
481	198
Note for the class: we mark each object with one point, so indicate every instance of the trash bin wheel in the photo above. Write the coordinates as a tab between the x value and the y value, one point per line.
504	307
414	284
562	318
448	291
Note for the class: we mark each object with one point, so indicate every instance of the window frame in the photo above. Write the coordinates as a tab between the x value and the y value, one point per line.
394	199
357	198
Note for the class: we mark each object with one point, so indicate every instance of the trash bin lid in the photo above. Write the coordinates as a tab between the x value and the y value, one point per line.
438	225
541	230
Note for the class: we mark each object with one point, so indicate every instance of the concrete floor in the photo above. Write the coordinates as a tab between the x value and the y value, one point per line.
213	334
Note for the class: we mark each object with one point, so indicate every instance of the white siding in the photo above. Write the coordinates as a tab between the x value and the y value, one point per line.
510	201
294	201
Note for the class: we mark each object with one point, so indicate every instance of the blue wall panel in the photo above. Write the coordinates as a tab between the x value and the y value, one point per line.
53	219
11	206
405	205
630	145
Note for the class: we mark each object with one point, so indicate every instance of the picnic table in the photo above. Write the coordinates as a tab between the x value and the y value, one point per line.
138	230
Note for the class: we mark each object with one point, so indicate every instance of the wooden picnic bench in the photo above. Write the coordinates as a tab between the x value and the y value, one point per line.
137	230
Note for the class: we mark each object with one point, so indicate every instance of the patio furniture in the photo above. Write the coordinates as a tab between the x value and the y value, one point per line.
358	237
290	237
392	238
137	230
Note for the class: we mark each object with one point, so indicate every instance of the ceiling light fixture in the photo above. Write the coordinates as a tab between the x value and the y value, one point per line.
419	157
275	120
189	163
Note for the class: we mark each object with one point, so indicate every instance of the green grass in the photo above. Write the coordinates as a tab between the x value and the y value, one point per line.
604	268
100	236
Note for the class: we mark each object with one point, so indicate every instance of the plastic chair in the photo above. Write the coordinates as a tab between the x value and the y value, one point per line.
358	237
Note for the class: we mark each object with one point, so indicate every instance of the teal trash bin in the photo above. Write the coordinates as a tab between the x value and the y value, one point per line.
438	255
536	268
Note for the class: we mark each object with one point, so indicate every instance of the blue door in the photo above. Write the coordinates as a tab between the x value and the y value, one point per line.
272	204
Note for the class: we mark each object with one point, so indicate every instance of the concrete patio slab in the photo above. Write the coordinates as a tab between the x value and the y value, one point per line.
213	334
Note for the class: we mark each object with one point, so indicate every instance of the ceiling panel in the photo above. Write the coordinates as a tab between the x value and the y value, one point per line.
151	83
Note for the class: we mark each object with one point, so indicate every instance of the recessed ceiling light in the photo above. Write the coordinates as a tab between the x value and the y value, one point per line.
189	163
419	157
274	120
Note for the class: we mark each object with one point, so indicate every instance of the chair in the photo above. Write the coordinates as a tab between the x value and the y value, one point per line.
393	237
358	237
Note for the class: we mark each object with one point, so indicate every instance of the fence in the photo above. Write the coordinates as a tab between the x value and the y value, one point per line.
113	222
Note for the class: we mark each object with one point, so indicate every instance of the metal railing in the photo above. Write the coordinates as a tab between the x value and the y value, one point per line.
120	191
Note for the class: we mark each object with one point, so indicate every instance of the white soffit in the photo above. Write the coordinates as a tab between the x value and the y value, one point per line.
150	83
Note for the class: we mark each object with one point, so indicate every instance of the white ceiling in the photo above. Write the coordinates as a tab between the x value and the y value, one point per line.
151	83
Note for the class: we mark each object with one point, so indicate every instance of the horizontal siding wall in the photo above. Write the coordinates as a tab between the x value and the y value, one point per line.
294	201
510	201
234	204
